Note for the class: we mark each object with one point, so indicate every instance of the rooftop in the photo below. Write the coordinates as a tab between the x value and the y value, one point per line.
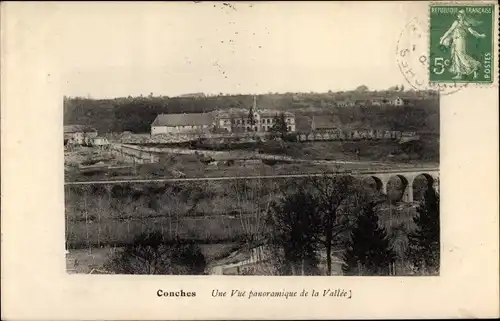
243	112
198	119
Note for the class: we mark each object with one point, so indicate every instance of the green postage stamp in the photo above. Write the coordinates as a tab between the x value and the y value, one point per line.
461	43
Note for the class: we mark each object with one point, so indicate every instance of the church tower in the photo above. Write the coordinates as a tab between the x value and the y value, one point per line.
254	117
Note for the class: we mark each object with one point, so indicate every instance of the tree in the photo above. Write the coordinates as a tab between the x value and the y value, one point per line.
424	242
362	88
295	226
252	203
151	253
398	238
331	194
251	118
369	251
279	125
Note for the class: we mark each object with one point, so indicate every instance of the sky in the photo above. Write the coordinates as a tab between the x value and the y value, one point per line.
106	50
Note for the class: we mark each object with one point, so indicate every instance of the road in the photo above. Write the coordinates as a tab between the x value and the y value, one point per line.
223	178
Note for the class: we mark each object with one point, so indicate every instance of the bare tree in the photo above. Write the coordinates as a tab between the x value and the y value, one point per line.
172	206
295	226
252	204
332	191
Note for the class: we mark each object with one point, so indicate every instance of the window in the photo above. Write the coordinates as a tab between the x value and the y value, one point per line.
239	121
289	128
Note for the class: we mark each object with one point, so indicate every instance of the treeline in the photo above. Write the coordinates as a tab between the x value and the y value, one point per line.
135	114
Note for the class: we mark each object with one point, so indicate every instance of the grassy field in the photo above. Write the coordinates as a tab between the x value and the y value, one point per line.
424	150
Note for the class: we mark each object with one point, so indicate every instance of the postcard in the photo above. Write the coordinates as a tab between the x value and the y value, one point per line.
249	160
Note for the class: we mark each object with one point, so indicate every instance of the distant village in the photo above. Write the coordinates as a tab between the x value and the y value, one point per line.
251	119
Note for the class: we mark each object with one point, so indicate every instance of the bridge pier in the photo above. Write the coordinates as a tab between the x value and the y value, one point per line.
408	193
383	188
435	184
381	182
407	180
407	196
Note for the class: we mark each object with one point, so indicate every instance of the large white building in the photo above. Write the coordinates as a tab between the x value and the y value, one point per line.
239	120
77	134
182	123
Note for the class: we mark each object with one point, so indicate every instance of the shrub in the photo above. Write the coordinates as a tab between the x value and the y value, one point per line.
151	253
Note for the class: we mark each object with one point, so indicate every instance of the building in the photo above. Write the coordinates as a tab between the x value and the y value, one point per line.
262	120
395	101
398	101
98	142
345	103
409	102
234	120
193	95
182	123
322	123
77	134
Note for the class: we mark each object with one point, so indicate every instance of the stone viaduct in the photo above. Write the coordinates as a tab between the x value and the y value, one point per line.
406	176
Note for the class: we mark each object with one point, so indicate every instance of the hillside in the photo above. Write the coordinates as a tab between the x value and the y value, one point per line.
135	114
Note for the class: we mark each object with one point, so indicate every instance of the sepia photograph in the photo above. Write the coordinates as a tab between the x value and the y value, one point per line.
250	160
204	168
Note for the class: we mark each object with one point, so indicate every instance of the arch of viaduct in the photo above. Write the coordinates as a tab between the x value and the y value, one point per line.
406	176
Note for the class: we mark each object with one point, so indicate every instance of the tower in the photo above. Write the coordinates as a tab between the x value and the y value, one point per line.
253	116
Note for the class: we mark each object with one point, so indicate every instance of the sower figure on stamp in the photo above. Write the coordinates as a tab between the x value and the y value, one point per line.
456	37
